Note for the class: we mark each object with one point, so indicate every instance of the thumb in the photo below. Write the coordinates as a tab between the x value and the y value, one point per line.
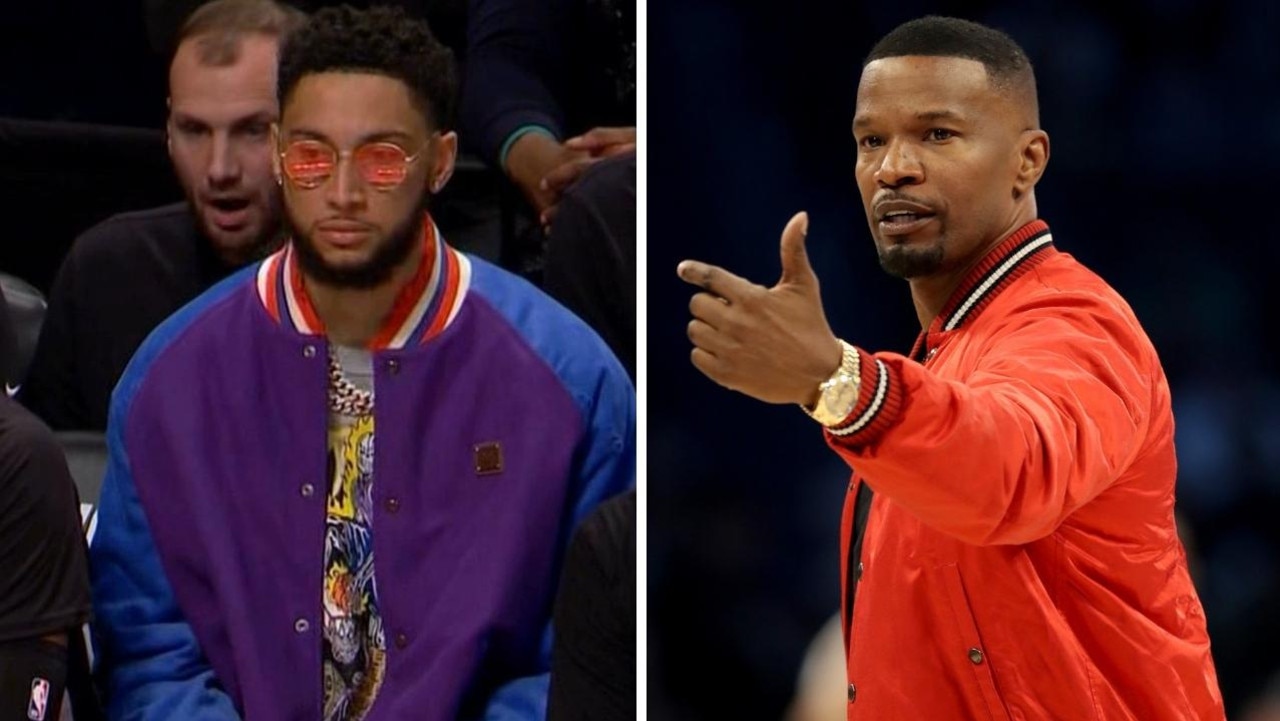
795	259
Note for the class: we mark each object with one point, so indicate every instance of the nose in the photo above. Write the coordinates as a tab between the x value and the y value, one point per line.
224	162
345	190
899	166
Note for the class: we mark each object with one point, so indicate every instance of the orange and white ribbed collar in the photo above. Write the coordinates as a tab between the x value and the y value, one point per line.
425	306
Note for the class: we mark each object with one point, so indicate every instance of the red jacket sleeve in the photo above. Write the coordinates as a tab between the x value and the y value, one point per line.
1056	407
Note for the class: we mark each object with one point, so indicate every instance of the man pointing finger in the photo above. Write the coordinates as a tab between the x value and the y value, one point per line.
1008	545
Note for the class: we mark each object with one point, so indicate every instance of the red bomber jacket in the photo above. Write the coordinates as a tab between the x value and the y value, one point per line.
1019	557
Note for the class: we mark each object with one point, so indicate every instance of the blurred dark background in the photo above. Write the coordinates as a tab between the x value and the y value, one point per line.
1164	158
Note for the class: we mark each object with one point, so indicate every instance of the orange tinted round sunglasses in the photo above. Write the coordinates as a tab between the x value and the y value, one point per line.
308	164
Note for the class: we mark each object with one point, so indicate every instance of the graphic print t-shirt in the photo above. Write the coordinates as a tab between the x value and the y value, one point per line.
354	645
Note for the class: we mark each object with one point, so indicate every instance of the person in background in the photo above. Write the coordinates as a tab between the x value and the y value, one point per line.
127	274
44	590
549	100
549	90
591	253
593	660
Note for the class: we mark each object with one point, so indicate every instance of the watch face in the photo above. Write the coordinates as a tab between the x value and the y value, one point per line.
839	400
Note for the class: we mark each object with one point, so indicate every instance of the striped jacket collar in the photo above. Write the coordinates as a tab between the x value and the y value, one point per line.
1026	248
425	307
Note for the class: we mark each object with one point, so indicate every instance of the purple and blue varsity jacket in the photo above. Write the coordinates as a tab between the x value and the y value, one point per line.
501	420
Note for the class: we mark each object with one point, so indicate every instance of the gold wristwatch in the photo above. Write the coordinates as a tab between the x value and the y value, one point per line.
838	394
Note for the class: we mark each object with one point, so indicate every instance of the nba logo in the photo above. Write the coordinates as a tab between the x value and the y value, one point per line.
39	699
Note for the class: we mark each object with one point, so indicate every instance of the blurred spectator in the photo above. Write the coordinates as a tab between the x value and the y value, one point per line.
536	73
593	661
591	253
1266	705
821	693
163	18
44	591
125	275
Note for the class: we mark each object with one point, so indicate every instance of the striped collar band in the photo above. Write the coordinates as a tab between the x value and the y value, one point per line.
1017	254
425	307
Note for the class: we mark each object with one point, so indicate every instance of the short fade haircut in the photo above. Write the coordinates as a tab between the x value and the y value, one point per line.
381	41
1007	64
219	26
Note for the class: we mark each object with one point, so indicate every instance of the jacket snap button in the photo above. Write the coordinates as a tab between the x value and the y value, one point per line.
393	366
309	352
853	693
401	640
301	625
975	655
307	490
393	505
860	570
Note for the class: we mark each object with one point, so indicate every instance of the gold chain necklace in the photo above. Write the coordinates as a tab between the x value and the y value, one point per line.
344	397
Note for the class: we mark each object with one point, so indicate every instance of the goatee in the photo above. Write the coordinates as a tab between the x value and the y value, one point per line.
388	254
905	262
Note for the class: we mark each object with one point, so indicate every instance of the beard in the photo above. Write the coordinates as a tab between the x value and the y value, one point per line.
903	261
389	252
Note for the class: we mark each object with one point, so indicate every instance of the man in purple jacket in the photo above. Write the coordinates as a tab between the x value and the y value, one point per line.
341	481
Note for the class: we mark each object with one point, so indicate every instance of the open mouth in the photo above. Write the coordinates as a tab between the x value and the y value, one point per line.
229	213
903	217
230	205
903	222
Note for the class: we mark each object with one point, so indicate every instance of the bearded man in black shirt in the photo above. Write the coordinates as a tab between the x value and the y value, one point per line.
130	272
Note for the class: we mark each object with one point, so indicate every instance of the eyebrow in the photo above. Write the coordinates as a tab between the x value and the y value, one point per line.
928	116
258	117
374	137
935	115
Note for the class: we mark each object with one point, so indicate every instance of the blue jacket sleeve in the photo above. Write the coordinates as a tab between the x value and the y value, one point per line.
524	699
149	662
606	467
606	464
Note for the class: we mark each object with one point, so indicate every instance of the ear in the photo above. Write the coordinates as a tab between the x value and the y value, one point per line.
444	157
1033	157
275	154
168	127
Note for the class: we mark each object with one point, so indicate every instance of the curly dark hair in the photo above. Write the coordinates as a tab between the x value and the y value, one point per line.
381	40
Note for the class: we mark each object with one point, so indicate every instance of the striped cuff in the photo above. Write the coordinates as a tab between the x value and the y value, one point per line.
880	402
516	135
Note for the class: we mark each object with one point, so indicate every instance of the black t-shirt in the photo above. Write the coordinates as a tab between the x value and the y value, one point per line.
591	254
120	280
44	588
593	662
8	343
